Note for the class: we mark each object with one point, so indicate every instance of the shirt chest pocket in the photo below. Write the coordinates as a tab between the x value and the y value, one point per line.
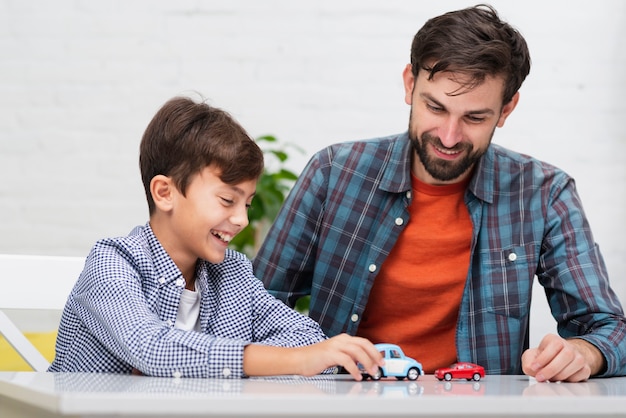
506	280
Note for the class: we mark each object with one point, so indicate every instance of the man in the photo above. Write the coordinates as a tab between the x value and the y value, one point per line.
431	239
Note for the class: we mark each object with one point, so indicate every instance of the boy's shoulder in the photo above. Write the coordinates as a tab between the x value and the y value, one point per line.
234	262
135	244
139	253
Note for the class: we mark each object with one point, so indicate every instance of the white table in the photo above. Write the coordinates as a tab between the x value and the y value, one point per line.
107	395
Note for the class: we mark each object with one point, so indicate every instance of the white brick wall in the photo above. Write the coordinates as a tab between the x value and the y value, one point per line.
79	81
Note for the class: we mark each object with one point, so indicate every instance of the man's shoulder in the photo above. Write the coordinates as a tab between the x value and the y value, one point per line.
369	143
380	149
510	166
505	155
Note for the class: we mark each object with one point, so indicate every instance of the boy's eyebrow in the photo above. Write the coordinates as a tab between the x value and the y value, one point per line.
240	191
430	98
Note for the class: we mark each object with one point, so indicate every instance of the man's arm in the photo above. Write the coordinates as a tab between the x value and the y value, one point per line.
285	260
590	318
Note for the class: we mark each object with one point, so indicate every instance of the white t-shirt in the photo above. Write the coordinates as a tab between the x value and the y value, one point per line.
188	317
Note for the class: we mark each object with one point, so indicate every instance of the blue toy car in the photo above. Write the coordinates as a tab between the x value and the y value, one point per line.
396	364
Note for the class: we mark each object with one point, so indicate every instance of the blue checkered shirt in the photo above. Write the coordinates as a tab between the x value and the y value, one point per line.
121	313
349	206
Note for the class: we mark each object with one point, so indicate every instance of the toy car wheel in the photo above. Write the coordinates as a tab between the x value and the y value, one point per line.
476	377
413	373
377	375
447	377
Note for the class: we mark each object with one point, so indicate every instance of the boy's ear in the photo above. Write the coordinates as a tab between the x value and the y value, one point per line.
162	190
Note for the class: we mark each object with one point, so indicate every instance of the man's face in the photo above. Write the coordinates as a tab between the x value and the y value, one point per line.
450	125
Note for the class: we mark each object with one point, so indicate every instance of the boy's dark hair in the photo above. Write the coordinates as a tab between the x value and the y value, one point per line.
184	137
475	42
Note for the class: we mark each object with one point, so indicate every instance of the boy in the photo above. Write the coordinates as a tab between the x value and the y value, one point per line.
170	299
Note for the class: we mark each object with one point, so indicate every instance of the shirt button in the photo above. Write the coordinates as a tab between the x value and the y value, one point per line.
354	318
512	257
226	372
408	194
161	279
372	268
180	282
399	221
177	375
169	322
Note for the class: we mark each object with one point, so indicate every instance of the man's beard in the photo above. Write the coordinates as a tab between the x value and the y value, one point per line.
441	169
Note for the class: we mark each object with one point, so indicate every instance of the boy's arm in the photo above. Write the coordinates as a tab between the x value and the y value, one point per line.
341	350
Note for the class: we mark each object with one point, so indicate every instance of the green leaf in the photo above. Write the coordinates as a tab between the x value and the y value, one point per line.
266	138
272	189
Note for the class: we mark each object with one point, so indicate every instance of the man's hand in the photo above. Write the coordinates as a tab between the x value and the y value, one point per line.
558	359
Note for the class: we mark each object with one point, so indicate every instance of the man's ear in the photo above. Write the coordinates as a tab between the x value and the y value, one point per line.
508	109
162	189
409	83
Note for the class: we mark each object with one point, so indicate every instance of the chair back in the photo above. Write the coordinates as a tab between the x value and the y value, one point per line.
34	282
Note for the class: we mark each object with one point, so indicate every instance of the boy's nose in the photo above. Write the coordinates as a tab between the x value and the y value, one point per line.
240	217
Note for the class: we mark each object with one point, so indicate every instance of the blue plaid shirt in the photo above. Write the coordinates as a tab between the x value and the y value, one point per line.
121	313
349	206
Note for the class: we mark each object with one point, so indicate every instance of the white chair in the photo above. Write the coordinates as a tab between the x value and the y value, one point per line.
34	282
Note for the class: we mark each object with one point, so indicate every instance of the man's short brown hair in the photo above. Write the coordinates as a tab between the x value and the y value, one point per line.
475	42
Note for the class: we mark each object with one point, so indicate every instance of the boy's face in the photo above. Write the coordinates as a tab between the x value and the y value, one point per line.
203	222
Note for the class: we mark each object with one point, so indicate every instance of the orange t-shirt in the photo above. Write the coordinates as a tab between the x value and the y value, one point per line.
415	299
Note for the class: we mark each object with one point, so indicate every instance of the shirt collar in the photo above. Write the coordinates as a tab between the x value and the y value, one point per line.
482	184
397	172
397	175
164	266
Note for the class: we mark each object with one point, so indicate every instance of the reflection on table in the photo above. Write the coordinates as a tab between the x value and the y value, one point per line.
86	394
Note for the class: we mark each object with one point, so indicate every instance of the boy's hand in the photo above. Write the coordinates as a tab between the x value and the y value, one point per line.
558	359
341	350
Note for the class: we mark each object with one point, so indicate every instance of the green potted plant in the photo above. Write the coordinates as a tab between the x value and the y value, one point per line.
272	189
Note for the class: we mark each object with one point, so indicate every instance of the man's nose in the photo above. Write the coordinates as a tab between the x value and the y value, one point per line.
450	133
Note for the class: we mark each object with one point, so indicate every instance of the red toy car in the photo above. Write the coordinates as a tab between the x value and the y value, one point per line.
469	371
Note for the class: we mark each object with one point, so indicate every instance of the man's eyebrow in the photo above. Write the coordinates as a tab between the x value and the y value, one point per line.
485	111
